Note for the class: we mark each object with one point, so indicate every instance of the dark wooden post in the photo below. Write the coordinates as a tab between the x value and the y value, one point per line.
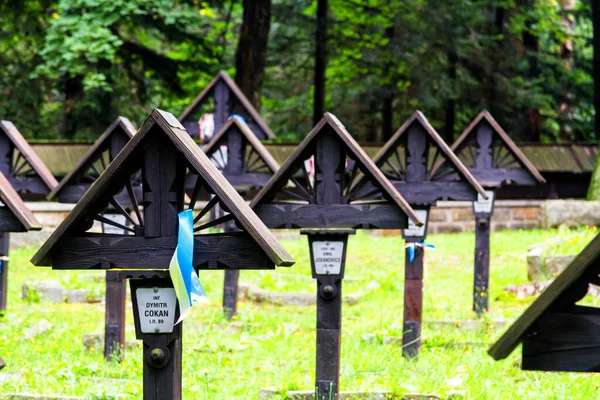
4	244
162	352
115	297
483	210
114	317
236	151
328	260
222	105
330	162
413	285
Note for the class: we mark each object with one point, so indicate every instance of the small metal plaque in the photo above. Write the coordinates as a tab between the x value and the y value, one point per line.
414	230
118	218
156	307
328	257
482	205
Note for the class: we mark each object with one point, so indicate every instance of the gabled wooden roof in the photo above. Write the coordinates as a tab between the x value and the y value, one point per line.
32	158
199	163
13	201
372	172
237	92
450	157
585	263
486	116
120	125
260	148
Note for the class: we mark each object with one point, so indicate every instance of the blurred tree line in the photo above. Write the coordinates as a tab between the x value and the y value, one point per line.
69	67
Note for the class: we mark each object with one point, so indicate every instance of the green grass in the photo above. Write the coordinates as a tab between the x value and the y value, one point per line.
569	241
235	364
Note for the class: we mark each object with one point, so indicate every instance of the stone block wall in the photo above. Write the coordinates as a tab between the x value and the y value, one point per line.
457	216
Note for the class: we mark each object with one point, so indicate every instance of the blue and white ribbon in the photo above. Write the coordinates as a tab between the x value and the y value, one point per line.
410	247
185	279
238	116
2	259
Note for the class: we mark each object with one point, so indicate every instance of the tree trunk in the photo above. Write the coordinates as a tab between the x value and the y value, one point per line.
73	91
594	189
251	54
320	61
451	102
387	107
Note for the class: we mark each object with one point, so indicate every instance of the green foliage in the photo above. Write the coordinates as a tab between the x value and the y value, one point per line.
69	67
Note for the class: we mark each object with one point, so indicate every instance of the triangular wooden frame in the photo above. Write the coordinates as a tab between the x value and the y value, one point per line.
485	117
120	126
558	301
166	124
256	144
15	210
241	98
284	174
37	165
447	157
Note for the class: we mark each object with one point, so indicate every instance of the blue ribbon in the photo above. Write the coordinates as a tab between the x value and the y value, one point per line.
237	116
187	286
410	247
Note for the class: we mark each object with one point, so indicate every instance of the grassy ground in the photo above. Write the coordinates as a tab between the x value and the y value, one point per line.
224	363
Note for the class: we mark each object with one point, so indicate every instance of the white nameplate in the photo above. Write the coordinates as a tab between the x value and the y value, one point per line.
118	218
156	307
482	205
414	230
328	257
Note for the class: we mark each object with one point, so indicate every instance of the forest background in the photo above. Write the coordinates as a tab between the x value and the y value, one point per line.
69	67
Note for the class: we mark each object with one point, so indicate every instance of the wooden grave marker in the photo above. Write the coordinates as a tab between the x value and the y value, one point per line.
161	154
557	332
25	171
222	98
14	217
247	165
327	208
27	175
423	170
71	188
494	160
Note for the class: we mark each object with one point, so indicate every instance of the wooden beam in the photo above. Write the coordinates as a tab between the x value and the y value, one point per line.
384	216
216	251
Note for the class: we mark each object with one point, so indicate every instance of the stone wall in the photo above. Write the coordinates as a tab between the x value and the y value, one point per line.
457	216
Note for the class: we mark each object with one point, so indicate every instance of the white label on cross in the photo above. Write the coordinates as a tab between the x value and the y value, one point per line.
414	230
156	307
482	205
328	257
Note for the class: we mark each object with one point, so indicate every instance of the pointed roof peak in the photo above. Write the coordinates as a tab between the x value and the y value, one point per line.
250	137
25	149
121	122
237	93
357	152
420	118
485	115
